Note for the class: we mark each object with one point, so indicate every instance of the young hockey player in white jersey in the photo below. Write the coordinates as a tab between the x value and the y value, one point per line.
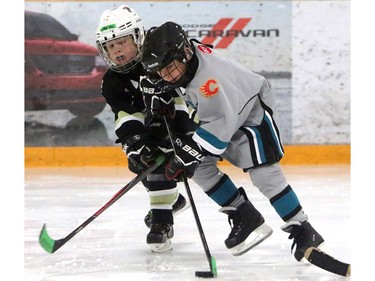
239	123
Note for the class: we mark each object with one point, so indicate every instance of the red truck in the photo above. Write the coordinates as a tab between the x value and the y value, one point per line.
60	71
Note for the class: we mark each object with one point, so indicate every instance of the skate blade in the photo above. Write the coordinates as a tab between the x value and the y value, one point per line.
176	213
255	238
161	247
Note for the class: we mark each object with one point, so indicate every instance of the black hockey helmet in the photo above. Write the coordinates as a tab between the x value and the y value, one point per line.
163	45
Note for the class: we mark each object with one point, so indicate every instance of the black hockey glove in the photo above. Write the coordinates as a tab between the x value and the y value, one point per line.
142	151
188	157
157	98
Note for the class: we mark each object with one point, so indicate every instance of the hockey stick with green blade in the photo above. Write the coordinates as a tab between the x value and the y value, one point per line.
211	260
51	245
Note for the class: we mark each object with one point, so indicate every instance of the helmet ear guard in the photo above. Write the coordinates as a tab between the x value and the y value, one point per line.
191	53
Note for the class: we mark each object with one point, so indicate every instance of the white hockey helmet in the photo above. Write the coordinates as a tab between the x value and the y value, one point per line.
119	23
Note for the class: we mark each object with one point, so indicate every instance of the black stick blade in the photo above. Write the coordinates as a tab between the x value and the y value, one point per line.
204	274
327	262
208	274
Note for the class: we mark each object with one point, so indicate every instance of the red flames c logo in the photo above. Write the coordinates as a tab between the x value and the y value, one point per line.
209	88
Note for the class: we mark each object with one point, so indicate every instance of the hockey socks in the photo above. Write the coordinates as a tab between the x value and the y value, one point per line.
286	203
223	192
178	207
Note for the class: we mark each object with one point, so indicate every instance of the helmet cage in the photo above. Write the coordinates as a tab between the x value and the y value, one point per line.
101	45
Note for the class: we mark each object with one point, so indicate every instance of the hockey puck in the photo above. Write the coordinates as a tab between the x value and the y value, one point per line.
204	274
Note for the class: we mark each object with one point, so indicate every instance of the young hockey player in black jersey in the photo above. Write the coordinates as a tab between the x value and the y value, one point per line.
239	123
120	36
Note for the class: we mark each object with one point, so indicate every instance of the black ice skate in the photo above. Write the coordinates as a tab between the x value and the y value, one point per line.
159	237
248	227
304	236
181	205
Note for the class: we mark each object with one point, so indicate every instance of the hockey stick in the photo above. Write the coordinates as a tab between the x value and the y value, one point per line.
51	245
327	262
211	260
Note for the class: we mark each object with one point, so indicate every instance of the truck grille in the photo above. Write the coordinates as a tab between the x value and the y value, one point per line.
64	64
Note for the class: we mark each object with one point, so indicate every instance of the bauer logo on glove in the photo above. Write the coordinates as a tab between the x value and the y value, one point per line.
157	98
188	149
187	158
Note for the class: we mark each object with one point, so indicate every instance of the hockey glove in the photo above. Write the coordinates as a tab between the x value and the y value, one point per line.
142	151
133	148
188	157
157	98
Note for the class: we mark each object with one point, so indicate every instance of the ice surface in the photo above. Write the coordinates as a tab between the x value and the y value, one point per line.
113	246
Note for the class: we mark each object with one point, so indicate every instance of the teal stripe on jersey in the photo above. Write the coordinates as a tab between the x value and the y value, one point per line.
211	139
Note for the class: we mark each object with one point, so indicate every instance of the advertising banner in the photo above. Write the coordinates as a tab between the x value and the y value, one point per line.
63	103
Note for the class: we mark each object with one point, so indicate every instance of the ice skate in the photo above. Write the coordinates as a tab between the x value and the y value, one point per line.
248	227
178	207
160	237
304	236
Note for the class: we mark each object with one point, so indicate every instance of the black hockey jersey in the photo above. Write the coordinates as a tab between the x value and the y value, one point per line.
123	95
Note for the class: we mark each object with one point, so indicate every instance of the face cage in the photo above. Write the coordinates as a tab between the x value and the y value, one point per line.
169	71
115	67
181	57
